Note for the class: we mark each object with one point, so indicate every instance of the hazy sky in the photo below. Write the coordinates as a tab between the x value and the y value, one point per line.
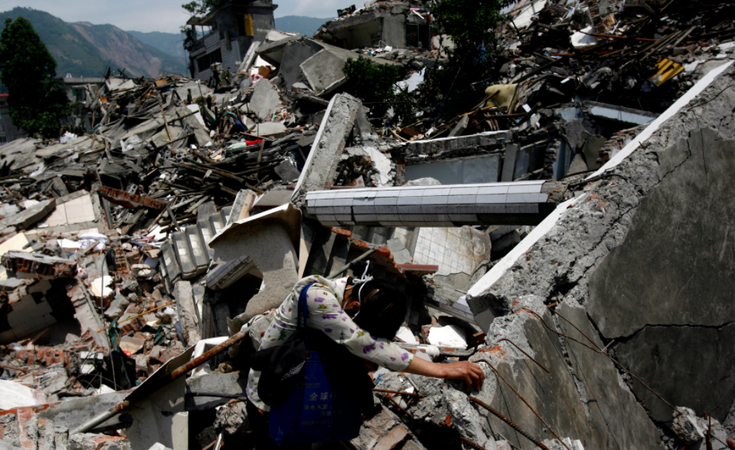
158	15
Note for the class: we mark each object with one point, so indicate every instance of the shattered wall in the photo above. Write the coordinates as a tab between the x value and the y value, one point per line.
636	268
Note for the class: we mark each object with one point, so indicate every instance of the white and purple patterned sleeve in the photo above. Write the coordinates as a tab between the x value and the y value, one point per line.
326	314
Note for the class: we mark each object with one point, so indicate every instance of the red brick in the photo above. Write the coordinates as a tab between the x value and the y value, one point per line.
392	439
26	418
104	442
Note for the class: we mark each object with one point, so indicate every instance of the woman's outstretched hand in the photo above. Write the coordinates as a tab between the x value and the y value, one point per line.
470	373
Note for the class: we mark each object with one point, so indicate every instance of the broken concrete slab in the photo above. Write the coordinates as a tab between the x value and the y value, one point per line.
460	128
15	395
569	262
287	171
267	129
188	312
339	120
222	387
691	182
32	265
24	219
575	397
270	239
265	101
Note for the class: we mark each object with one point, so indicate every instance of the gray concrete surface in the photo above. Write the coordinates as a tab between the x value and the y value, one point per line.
647	254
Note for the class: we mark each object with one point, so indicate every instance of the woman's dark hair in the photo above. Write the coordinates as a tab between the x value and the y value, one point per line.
383	312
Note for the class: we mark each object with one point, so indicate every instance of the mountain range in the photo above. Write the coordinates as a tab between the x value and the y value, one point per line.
83	49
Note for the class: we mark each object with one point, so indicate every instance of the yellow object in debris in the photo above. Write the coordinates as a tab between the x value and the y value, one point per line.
501	94
667	69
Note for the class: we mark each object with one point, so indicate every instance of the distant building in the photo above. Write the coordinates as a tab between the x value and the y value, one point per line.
399	24
76	88
230	30
8	130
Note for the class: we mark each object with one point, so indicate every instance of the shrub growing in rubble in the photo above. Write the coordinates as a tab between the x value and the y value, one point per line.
36	98
374	85
457	83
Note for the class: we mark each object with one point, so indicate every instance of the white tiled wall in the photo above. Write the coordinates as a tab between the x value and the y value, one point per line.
79	210
452	249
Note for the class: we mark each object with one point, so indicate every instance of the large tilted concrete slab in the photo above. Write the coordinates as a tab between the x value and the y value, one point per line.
321	165
636	266
519	203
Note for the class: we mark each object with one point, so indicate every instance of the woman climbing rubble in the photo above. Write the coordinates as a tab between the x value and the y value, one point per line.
356	319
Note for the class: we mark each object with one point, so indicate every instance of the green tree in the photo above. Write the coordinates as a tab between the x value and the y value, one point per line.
470	24
197	8
201	7
372	83
36	98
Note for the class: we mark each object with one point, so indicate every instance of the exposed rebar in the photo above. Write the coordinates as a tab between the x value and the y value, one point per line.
398	405
597	350
524	401
522	351
509	422
472	444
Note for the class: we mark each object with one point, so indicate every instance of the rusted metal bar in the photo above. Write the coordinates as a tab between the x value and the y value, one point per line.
522	351
206	356
509	422
153	387
472	444
128	200
390	397
526	402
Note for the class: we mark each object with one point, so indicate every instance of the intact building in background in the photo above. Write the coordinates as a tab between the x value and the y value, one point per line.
228	31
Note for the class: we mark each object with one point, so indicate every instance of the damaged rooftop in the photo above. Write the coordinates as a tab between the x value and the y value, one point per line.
569	231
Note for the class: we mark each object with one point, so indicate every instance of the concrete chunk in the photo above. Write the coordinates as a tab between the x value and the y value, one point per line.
213	383
30	216
187	310
265	100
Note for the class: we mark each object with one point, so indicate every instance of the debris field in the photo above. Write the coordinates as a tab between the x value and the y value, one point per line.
571	234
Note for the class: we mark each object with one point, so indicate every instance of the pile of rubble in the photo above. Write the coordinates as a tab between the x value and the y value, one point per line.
160	242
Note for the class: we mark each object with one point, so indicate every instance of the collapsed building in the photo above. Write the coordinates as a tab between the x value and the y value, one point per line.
570	235
379	24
